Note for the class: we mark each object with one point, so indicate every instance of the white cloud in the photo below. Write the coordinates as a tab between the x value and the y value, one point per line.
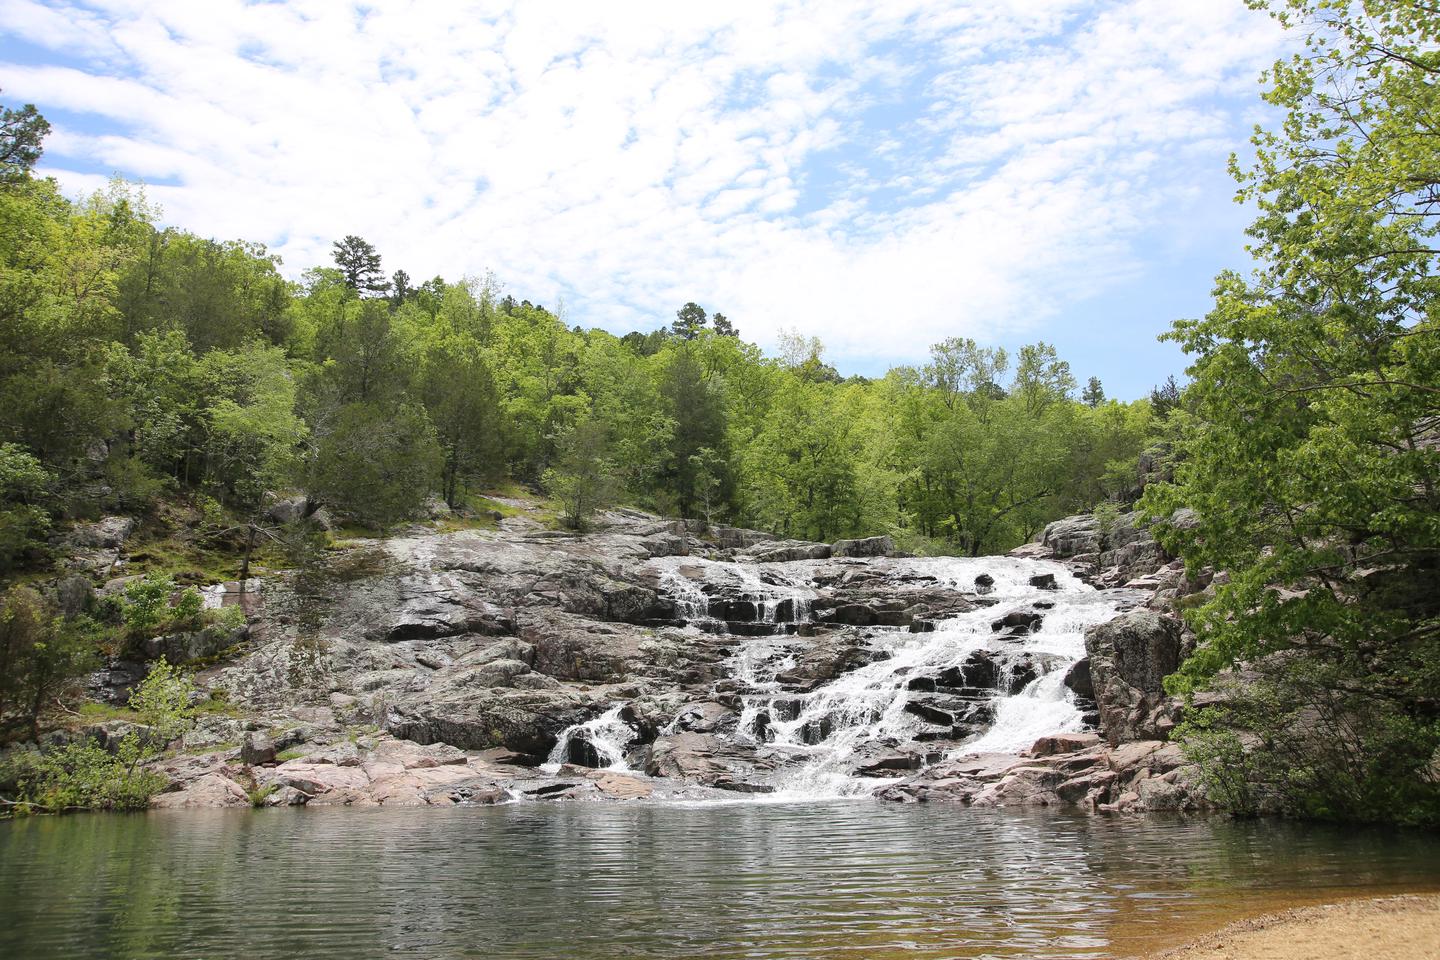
991	161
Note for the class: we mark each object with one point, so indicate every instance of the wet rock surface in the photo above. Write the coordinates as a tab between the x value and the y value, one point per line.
646	660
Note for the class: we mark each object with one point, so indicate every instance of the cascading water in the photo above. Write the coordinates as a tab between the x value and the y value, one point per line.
599	742
988	680
879	717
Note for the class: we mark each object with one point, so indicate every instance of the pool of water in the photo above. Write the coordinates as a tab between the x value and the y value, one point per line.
591	880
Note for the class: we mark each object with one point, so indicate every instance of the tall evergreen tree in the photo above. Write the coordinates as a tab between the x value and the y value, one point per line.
359	263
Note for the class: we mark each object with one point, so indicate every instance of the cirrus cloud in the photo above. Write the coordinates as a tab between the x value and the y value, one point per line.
883	175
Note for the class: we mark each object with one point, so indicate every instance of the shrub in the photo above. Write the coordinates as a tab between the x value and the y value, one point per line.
189	608
1301	738
229	617
39	652
145	604
84	776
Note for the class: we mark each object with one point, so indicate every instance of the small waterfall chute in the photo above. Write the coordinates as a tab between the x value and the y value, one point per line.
600	742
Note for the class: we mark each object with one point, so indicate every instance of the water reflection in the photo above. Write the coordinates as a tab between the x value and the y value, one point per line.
601	881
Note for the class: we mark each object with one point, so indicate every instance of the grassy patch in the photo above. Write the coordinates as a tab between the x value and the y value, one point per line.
105	712
258	795
217	708
223	747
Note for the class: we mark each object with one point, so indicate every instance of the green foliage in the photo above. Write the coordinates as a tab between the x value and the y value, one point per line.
376	466
83	775
1227	772
583	479
39	653
228	618
359	263
145	604
188	609
22	134
1306	443
162	700
1301	736
141	362
24	488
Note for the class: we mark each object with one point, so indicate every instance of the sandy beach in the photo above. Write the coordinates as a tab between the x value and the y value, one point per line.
1392	928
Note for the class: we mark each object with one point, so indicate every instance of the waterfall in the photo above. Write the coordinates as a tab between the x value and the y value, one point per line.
986	680
884	713
600	742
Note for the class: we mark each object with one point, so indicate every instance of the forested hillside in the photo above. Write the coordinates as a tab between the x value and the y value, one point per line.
142	362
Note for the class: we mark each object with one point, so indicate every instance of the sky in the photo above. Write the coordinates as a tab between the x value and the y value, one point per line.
881	175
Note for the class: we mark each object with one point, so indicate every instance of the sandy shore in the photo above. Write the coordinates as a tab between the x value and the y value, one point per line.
1393	928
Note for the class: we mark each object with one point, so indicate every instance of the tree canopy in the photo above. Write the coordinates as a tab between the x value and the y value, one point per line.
1307	448
142	361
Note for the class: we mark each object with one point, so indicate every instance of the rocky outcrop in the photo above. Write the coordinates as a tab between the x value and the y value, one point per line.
95	547
180	648
707	759
1063	770
440	668
1129	659
1111	555
867	547
783	551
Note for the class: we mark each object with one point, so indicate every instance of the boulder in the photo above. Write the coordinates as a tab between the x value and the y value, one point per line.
1078	680
705	759
105	533
865	547
705	717
75	595
1130	657
1063	743
781	551
1070	536
1018	621
288	510
257	749
180	648
738	538
526	721
210	790
617	786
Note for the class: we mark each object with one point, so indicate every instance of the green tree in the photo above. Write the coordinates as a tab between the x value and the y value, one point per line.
1306	444
253	435
458	389
583	477
40	653
375	464
696	408
25	489
359	264
1165	397
1094	393
1041	377
22	136
689	321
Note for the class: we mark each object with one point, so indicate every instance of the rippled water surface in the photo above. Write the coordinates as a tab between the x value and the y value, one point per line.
581	880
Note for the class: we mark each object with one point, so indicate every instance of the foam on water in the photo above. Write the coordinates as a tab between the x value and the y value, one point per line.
608	734
823	736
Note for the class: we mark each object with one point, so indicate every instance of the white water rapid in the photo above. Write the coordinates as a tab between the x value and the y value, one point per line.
605	738
975	683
